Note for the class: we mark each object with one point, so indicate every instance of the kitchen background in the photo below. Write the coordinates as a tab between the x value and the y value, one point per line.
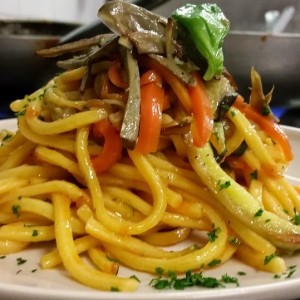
264	34
79	11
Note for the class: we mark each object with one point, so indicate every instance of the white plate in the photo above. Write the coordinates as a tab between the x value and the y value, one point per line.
20	282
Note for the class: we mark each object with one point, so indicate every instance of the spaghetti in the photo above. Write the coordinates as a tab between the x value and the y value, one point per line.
69	175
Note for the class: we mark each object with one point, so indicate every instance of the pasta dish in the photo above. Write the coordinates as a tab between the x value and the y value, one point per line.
140	143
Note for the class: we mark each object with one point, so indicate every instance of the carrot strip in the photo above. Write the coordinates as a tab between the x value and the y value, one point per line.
112	148
152	97
106	94
150	77
177	85
202	124
115	75
270	126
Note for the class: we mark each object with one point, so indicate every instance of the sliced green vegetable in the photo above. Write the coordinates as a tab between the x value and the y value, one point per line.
208	26
131	121
239	202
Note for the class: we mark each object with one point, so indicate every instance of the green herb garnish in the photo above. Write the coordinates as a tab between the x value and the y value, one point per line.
206	26
241	273
35	232
230	279
21	261
135	277
296	218
268	258
253	175
213	235
16	208
191	279
258	213
224	185
214	262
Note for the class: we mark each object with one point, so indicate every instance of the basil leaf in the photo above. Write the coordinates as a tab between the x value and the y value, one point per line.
208	26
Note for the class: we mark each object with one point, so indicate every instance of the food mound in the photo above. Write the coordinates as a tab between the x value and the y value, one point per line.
142	154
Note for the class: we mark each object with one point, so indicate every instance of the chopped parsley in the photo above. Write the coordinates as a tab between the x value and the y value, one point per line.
225	185
114	289
16	208
213	235
7	137
292	270
135	277
234	240
2	256
21	261
268	258
159	271
229	279
35	232
214	262
296	218
241	273
191	279
253	175
258	213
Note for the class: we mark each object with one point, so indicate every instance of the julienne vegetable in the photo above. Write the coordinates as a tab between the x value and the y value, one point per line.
141	145
152	98
112	148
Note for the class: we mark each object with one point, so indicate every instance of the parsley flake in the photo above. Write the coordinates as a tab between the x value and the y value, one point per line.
225	185
159	270
16	208
213	235
296	218
21	261
230	279
135	277
189	280
241	273
35	232
254	175
214	262
258	213
268	258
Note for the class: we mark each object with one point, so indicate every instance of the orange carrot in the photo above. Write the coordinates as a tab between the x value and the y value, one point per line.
112	148
151	76
105	92
270	126
152	97
176	84
115	75
202	124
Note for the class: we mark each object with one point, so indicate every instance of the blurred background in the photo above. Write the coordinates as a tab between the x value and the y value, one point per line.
264	34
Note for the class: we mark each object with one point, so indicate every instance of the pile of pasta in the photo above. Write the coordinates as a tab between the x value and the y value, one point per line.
67	176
